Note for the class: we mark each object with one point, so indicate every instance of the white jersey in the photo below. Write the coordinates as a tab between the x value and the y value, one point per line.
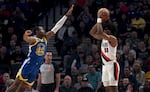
108	53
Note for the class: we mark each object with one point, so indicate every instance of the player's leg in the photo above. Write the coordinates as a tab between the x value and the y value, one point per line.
21	87
107	88
105	78
14	86
113	89
114	77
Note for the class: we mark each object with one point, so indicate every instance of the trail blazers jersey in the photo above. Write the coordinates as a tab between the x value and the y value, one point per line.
108	53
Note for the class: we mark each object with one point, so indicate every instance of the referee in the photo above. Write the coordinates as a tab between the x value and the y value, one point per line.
49	76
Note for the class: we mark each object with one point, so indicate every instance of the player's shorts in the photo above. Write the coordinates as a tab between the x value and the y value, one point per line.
28	72
110	74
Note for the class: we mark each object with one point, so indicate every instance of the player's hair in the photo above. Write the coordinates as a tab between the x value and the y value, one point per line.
113	32
110	26
37	28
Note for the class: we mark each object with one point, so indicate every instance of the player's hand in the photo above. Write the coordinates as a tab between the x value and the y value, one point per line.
69	12
56	90
28	32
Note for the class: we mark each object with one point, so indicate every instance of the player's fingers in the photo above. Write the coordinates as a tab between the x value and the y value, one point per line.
72	6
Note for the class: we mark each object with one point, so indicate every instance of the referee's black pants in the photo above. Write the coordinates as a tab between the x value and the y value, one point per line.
47	87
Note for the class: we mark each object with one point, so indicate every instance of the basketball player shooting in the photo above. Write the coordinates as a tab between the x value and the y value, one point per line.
110	68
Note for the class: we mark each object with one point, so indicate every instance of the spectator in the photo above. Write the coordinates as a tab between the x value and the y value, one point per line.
130	61
11	47
142	51
85	86
5	77
123	24
145	87
138	23
74	74
18	19
94	77
123	85
77	85
67	85
97	61
4	60
9	32
138	73
81	29
15	38
87	18
87	45
18	56
130	88
67	64
16	59
133	38
129	74
89	59
78	61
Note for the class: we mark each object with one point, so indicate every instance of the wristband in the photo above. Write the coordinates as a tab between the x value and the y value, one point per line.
99	20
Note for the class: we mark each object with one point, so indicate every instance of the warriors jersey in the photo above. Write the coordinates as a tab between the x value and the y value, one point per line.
37	51
30	68
108	53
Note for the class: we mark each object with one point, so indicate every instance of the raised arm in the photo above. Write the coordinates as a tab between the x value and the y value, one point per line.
28	38
59	24
97	30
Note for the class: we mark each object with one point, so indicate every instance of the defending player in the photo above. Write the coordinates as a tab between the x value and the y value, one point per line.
110	68
28	72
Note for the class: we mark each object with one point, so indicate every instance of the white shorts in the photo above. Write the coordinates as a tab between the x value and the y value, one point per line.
110	74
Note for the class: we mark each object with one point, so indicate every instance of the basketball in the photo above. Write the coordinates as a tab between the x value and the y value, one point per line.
104	14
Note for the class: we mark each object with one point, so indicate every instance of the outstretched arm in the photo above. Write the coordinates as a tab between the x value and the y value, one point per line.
59	24
27	37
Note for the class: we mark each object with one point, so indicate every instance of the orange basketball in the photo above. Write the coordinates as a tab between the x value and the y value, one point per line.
104	14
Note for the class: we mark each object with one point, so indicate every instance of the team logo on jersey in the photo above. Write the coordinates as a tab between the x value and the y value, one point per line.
40	50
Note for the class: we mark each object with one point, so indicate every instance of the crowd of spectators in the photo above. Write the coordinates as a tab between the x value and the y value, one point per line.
78	50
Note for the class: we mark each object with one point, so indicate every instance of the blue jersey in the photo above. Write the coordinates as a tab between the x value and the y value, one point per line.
37	51
30	68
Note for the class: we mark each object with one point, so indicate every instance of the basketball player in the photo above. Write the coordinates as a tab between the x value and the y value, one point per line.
110	68
28	72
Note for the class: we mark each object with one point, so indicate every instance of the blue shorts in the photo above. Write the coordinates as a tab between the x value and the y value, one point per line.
28	72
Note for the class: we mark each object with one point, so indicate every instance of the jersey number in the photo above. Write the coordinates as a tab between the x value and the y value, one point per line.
106	50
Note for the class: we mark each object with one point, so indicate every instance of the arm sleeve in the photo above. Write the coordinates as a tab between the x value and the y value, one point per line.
59	24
